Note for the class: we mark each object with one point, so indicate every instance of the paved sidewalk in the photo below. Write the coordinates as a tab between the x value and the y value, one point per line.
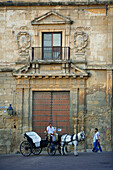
85	161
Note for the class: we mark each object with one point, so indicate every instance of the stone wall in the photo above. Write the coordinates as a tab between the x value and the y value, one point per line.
93	54
7	122
98	109
93	22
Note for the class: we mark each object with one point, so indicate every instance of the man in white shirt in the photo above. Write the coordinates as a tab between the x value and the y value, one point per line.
97	144
51	131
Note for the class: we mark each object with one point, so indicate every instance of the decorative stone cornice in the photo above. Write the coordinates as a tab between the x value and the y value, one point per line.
6	69
99	67
69	3
88	67
45	76
68	70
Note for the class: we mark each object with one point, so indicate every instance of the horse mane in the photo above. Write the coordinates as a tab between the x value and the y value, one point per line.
79	135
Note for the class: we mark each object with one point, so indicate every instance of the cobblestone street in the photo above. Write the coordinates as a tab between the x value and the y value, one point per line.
85	161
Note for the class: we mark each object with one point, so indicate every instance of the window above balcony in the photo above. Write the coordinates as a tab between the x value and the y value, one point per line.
51	40
52	46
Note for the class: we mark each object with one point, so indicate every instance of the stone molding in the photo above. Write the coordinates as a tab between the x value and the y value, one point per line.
45	76
82	28
57	19
88	67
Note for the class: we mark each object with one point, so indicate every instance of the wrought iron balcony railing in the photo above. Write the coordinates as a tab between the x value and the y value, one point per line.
50	53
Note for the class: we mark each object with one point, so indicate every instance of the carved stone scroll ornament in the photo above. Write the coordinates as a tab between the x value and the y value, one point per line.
80	41
24	43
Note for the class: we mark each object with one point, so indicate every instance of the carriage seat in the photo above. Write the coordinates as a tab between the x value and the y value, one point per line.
35	138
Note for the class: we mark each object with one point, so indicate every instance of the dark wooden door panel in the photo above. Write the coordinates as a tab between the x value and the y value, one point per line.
51	107
61	110
41	111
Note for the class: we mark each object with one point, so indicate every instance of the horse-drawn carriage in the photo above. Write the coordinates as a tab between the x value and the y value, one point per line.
34	144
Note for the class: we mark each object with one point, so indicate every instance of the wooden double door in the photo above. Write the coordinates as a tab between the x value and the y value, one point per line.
51	107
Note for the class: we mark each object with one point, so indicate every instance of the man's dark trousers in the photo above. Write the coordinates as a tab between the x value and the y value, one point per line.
97	145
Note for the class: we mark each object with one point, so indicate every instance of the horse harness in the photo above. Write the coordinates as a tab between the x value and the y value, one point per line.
76	139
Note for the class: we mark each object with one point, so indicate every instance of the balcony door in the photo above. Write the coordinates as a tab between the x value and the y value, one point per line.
52	46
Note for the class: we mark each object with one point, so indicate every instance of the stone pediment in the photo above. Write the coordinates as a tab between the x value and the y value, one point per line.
53	69
51	18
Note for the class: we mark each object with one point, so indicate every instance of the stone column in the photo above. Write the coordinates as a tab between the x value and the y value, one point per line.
19	113
26	109
73	110
30	108
81	110
109	115
19	108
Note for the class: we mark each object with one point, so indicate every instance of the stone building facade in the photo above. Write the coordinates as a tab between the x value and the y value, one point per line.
56	64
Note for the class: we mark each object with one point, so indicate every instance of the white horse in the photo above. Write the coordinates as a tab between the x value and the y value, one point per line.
69	140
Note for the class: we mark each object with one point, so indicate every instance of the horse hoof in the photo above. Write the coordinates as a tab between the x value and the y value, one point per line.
75	154
62	153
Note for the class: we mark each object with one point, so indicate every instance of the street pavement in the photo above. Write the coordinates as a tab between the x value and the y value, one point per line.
85	161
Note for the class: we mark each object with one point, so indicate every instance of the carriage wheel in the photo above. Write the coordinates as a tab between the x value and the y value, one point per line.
36	151
25	148
51	150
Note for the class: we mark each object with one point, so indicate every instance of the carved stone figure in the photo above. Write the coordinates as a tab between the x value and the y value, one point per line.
24	43
80	41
